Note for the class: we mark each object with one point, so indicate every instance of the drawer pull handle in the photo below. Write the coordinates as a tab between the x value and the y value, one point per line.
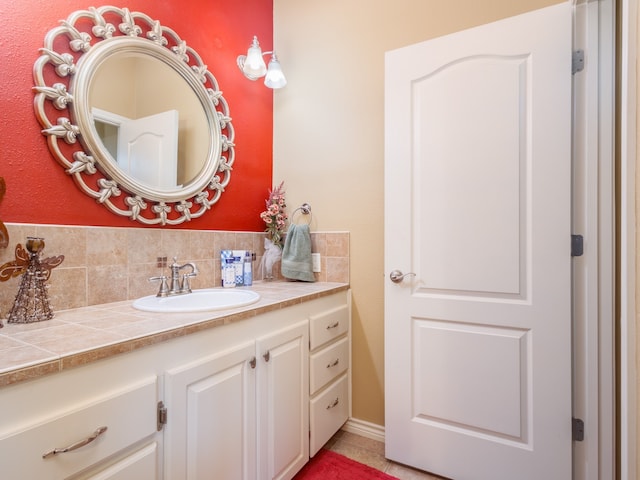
76	445
333	325
334	404
334	363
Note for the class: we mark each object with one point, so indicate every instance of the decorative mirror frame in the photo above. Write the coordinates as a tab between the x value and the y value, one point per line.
71	55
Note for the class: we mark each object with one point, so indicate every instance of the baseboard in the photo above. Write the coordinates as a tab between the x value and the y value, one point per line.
364	429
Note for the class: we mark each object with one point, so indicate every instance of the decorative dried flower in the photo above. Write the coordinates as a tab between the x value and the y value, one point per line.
274	215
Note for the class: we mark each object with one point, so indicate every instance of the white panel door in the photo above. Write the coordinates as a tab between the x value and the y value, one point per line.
478	207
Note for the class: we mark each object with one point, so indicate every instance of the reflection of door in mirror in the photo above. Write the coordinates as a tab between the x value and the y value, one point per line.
144	148
138	86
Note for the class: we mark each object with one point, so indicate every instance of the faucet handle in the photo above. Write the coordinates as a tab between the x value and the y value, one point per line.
186	283
164	287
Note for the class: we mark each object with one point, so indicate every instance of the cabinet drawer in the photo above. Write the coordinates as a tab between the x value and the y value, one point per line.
141	464
328	363
328	325
129	415
327	413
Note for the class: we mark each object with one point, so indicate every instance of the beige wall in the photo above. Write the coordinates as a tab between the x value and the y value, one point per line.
637	248
329	136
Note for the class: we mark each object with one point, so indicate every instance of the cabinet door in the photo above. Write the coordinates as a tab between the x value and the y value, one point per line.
210	432
283	401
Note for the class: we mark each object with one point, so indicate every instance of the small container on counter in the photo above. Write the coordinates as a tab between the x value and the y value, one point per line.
229	274
238	261
224	256
247	270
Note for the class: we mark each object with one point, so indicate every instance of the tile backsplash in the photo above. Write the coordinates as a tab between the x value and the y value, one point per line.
105	264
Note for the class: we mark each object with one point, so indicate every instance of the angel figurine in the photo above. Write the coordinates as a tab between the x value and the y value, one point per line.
32	302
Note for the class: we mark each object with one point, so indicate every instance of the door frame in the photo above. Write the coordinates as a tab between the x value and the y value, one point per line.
594	218
628	402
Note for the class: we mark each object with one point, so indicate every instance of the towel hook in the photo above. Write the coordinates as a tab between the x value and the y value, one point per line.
305	208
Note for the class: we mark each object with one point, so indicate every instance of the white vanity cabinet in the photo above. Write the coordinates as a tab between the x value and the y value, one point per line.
241	413
224	402
69	427
329	406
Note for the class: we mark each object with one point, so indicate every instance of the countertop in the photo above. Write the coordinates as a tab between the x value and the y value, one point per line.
82	335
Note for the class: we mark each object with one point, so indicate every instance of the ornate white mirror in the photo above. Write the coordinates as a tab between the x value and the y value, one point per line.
154	131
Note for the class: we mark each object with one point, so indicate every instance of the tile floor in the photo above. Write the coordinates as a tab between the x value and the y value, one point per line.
371	452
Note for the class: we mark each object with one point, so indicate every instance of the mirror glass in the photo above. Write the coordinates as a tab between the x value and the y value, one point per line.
130	109
134	116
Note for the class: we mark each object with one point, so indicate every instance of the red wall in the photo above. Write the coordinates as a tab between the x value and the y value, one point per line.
38	189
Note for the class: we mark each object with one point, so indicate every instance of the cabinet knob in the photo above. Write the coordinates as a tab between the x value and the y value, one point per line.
267	356
252	362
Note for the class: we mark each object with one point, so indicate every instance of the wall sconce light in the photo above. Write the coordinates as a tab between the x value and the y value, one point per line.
253	67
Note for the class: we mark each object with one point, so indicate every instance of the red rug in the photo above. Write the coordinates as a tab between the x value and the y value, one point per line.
328	465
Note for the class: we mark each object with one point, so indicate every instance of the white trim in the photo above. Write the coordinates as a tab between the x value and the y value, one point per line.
605	326
364	429
628	101
594	217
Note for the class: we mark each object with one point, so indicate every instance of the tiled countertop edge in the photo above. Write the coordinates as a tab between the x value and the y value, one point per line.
59	363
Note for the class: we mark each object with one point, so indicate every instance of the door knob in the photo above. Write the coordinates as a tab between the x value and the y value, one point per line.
397	276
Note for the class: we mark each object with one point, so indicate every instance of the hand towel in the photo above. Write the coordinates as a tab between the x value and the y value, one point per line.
296	254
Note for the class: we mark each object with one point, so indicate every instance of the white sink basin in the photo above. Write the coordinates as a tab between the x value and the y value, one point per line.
198	301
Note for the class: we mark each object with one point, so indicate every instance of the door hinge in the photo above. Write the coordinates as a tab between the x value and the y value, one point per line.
577	245
578	429
162	415
577	61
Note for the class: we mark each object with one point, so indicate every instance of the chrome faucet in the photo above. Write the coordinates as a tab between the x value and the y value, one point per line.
179	284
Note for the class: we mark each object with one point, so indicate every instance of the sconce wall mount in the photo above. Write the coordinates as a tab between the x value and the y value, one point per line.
253	67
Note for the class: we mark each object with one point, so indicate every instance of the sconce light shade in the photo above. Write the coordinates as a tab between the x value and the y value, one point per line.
253	67
275	77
